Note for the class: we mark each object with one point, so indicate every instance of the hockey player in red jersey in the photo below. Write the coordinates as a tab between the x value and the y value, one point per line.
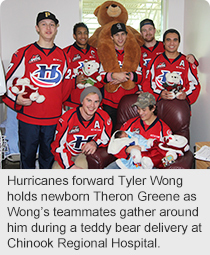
172	61
78	53
81	131
111	100
45	65
146	124
151	47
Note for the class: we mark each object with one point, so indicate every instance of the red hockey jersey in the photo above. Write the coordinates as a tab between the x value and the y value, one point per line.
73	132
77	56
113	99
161	65
150	53
45	71
157	130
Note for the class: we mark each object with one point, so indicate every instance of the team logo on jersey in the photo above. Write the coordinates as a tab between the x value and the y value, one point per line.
76	57
109	121
120	64
93	54
79	140
144	55
35	58
74	130
146	61
161	65
46	76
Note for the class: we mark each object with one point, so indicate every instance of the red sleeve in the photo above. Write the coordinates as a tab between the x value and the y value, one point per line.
59	148
10	103
191	84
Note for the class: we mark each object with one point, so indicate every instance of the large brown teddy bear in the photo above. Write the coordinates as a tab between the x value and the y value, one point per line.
109	13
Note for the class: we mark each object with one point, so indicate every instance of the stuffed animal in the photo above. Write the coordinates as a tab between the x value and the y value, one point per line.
173	83
163	154
109	13
90	70
23	85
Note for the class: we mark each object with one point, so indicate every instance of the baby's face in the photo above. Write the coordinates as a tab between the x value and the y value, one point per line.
124	134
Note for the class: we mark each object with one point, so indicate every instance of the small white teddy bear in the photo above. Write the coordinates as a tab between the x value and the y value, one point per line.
90	70
173	83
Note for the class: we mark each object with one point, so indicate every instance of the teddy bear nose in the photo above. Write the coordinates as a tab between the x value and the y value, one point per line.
114	5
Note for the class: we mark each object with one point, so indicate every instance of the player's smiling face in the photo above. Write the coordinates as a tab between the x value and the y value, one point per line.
171	43
119	39
81	37
148	33
146	114
90	105
47	29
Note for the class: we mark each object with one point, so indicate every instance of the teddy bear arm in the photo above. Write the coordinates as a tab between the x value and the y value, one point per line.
132	54
137	35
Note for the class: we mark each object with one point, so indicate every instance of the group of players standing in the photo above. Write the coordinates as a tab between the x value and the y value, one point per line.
84	126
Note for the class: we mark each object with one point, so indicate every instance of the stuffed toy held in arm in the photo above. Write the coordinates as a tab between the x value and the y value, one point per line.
90	70
21	85
165	153
173	84
109	13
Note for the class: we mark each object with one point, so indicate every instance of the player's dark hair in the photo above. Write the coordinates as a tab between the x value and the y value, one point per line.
151	107
171	30
80	24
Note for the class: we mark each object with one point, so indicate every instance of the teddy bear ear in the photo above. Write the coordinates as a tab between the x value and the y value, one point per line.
96	11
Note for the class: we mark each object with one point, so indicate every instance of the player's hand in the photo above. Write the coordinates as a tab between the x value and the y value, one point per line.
137	147
115	82
182	95
190	58
166	95
121	76
80	79
89	148
22	100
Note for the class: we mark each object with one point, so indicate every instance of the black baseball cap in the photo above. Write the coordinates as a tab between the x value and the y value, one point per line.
46	15
118	27
146	22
